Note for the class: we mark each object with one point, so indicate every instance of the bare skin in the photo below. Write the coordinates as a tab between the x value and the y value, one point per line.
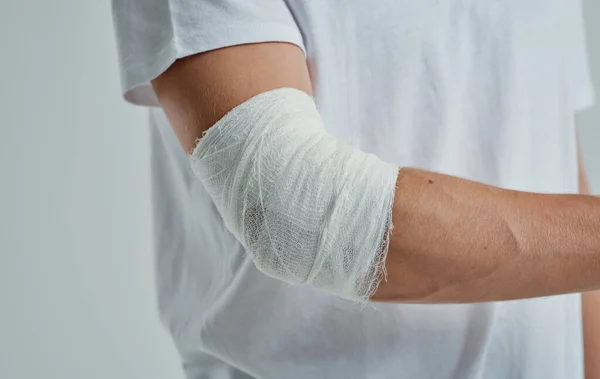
454	240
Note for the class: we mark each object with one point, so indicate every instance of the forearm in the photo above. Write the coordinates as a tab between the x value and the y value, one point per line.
459	241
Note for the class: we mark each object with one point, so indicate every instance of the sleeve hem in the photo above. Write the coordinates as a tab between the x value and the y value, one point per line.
136	77
584	100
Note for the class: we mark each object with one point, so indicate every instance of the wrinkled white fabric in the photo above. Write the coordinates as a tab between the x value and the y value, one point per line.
307	207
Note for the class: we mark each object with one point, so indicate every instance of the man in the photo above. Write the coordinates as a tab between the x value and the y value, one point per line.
271	194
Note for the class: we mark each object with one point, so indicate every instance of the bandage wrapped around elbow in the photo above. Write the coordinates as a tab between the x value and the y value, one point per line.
307	207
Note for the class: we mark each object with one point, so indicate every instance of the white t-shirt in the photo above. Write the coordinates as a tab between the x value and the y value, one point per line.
485	90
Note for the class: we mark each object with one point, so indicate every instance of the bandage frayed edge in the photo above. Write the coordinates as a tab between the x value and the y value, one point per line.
379	271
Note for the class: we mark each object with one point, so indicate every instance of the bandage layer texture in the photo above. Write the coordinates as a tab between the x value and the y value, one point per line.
307	207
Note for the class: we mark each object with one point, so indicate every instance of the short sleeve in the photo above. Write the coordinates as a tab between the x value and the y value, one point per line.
579	81
152	34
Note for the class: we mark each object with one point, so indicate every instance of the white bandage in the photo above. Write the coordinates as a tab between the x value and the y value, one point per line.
308	208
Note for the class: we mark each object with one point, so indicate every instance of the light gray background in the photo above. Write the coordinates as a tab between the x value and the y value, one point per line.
76	288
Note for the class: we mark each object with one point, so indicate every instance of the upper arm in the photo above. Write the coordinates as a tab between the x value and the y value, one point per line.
199	59
198	90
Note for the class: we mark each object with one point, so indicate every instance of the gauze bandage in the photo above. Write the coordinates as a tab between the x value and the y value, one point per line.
307	207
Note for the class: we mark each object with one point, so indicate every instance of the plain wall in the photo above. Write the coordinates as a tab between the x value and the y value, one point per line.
76	269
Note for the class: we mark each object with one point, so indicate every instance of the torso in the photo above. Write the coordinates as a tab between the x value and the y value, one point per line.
470	88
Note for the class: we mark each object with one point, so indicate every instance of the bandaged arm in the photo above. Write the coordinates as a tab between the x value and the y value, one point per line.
292	195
